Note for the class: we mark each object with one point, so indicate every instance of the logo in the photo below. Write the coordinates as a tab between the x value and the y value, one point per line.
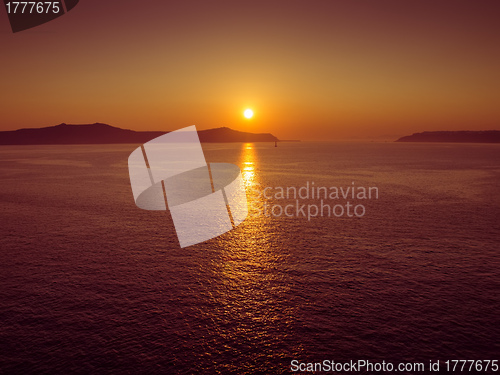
204	199
27	14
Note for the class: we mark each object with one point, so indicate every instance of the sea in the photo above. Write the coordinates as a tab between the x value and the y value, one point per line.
92	284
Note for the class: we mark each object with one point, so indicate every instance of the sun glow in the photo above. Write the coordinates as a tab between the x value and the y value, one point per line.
248	113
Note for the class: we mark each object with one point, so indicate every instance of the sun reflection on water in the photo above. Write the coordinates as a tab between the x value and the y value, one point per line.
248	159
249	290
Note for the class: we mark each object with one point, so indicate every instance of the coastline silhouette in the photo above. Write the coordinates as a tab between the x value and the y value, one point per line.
99	133
466	136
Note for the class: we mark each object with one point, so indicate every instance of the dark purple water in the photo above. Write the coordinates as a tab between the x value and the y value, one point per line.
92	284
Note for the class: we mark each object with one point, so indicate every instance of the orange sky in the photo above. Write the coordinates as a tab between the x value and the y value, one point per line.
313	70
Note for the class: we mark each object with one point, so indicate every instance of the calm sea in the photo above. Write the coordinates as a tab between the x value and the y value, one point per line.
92	284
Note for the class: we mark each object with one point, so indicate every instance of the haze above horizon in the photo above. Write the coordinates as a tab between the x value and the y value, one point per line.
308	70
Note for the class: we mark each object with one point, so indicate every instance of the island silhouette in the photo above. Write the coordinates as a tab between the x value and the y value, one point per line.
99	133
466	136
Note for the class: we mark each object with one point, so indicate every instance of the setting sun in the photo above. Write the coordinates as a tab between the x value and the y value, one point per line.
248	113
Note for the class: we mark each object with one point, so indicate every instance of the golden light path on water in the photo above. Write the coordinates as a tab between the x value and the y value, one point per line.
252	287
248	161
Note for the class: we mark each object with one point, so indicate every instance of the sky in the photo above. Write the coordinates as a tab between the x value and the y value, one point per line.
310	70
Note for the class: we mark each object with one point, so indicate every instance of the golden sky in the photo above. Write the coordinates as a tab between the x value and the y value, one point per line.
312	70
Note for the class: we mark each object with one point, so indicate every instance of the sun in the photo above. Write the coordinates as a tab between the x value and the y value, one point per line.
248	113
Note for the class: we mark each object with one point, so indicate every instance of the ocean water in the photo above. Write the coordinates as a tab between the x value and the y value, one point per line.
92	284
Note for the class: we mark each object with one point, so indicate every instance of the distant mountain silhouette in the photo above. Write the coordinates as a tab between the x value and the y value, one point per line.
101	133
486	136
229	135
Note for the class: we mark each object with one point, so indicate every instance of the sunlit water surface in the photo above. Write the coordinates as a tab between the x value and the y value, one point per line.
92	284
